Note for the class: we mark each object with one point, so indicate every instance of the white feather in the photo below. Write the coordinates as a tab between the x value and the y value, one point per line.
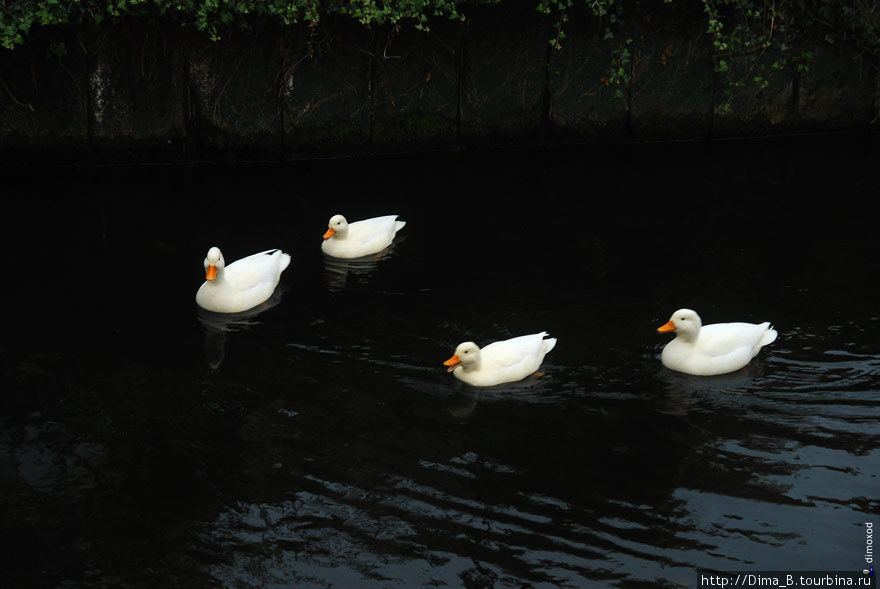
243	284
504	361
360	238
718	348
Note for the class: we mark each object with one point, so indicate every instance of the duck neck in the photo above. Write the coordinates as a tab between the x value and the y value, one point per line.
688	337
471	366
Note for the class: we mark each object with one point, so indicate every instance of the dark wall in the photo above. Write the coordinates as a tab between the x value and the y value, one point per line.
153	91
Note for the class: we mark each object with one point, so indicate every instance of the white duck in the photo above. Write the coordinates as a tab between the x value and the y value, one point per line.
707	350
241	285
360	238
505	361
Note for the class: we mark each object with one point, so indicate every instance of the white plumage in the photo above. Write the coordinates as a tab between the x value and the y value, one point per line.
359	238
241	285
505	361
707	350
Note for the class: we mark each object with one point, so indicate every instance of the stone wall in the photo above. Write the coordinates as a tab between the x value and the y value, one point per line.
144	91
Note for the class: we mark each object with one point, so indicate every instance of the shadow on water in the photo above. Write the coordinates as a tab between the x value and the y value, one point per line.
339	271
319	441
218	326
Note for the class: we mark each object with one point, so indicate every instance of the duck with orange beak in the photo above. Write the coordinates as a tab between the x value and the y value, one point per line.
707	350
241	285
499	362
359	238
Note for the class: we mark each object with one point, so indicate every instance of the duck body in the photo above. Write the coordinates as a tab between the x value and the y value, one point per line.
243	284
499	362
708	350
359	238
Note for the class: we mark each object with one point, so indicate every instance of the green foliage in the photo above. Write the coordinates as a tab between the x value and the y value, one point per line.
18	18
742	33
619	72
752	40
561	7
607	12
369	12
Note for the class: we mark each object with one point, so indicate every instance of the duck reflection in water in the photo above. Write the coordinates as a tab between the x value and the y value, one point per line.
683	391
462	404
337	270
218	325
535	389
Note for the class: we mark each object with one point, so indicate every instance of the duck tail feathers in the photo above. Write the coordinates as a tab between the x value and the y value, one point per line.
285	261
549	344
769	336
398	225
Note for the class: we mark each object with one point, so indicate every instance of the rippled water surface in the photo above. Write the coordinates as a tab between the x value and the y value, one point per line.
318	441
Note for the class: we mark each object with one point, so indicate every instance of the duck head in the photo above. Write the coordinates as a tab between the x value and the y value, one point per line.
336	226
213	263
684	322
467	355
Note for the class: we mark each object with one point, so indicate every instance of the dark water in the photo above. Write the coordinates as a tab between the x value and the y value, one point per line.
319	442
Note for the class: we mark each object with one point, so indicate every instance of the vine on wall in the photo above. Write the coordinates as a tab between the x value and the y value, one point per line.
751	39
760	36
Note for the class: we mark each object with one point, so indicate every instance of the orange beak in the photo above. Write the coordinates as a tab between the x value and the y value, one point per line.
330	233
212	272
452	362
666	327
